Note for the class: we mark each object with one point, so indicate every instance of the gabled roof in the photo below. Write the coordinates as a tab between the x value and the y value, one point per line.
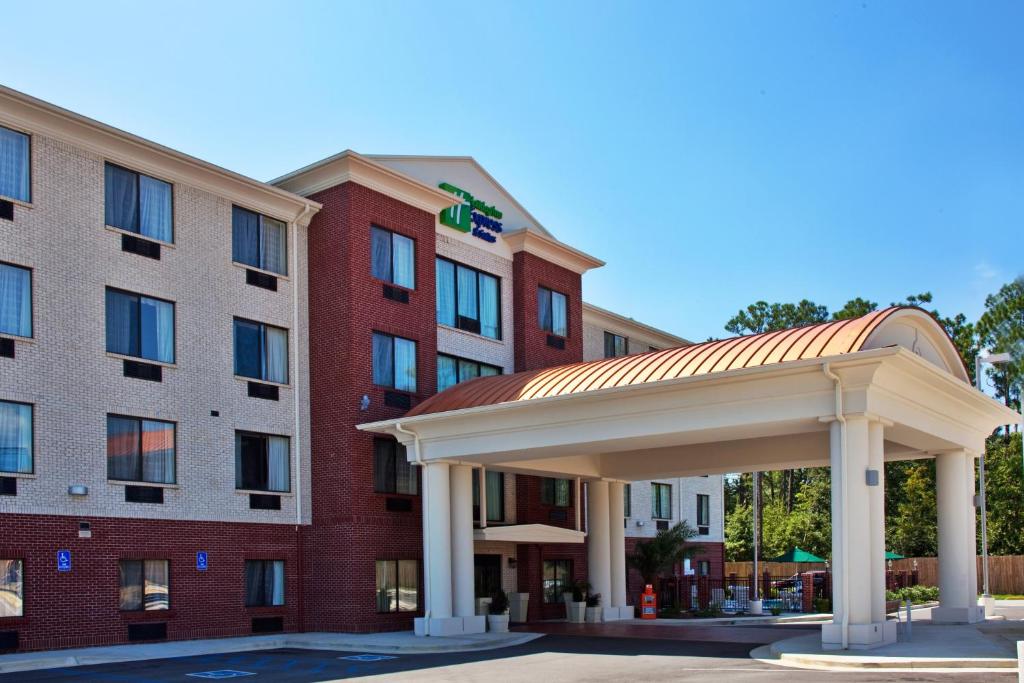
823	340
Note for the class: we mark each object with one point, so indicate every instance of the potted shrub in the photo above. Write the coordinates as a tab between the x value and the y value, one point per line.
497	613
575	604
594	608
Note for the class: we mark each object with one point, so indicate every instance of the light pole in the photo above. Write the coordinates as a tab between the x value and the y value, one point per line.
979	360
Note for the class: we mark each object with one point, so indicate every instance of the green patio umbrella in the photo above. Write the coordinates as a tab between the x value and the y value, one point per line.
890	555
797	555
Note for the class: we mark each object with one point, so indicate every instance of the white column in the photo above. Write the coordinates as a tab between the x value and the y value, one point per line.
957	603
876	503
971	463
617	552
598	549
838	539
437	552
482	484
462	540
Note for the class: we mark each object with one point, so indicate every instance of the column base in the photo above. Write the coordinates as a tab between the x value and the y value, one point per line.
988	604
449	626
860	636
958	615
617	613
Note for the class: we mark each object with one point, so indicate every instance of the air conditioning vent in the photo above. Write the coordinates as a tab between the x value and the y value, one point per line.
469	324
394	399
398	505
662	524
7	348
556	342
258	279
134	245
267	624
557	515
703	530
6	210
261	501
8	486
267	391
143	494
147	371
396	294
8	641
138	632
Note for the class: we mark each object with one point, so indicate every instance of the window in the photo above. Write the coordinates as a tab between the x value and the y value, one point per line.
14	165
661	501
394	362
557	577
264	583
392	471
12	588
261	462
15	300
144	584
556	492
259	241
468	299
138	203
551	312
627	500
452	370
614	345
261	351
703	567
398	585
703	514
15	437
140	326
495	495
140	450
393	257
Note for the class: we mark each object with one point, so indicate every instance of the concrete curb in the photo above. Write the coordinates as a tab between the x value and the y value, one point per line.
35	661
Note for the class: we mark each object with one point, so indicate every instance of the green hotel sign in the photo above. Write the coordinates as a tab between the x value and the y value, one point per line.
472	215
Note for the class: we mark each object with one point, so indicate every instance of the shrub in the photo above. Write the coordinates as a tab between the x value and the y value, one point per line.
594	600
822	605
776	611
916	594
579	590
499	603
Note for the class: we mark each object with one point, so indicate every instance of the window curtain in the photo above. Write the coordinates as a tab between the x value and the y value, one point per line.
15	437
446	373
122	323
158	451
467	293
559	323
131	584
408	585
495	496
405	364
406	476
386	586
122	448
489	306
276	582
627	500
383	466
254	593
404	261
445	292
468	370
157	319
245	238
14	165
11	587
156	209
157	589
276	356
277	463
380	254
383	360
248	349
15	300
121	198
563	496
489	371
544	309
273	246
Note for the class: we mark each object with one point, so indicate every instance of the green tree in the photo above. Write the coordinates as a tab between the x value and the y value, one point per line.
912	531
654	557
739	533
761	316
855	308
1001	329
1005	488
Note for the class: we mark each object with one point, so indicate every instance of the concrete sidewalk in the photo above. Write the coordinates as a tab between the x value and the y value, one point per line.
403	642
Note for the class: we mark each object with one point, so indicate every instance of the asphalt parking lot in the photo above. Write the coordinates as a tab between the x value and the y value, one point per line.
550	658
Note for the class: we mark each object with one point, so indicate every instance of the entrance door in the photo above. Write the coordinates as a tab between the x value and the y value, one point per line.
486	575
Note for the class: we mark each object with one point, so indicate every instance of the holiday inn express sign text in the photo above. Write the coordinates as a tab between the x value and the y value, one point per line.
472	215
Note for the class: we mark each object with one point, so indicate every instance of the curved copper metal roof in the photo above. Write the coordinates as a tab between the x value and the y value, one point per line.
798	343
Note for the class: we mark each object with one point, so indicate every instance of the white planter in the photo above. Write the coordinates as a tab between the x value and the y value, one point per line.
483	606
518	602
593	615
755	607
497	623
567	597
575	612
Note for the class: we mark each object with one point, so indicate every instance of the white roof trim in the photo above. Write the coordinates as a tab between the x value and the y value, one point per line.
598	313
529	533
550	249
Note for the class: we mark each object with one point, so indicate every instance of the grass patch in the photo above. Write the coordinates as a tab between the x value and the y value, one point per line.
1007	596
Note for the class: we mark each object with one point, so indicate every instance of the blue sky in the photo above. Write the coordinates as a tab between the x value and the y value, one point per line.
712	153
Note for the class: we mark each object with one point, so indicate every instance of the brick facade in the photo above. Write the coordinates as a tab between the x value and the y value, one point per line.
532	350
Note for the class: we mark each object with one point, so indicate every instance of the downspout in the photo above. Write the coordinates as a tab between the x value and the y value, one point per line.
297	400
841	419
426	525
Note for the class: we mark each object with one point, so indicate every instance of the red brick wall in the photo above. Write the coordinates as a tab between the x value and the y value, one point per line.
529	571
530	509
81	607
531	349
351	528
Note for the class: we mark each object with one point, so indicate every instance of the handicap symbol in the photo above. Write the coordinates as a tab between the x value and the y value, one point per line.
201	561
63	560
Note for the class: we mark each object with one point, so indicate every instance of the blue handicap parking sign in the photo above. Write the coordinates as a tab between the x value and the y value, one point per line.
63	560
201	561
367	658
220	674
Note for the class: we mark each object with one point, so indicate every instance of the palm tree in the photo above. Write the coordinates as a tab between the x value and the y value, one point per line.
656	556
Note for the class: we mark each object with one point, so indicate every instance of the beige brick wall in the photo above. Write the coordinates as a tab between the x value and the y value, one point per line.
684	506
73	383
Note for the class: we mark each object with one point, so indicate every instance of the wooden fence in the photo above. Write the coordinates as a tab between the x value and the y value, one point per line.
1005	572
